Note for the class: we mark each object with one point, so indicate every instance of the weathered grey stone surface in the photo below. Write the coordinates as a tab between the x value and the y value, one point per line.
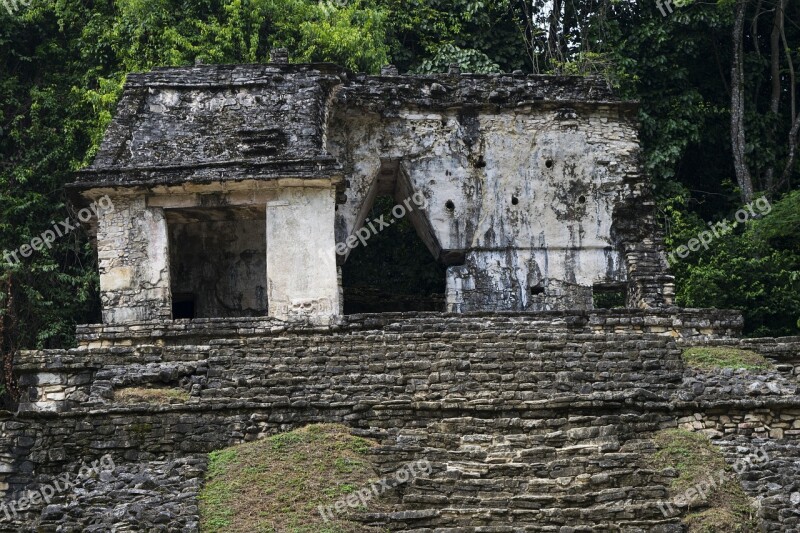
783	352
220	123
532	422
159	495
774	483
534	195
534	199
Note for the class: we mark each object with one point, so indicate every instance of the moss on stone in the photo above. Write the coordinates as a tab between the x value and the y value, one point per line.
140	429
711	357
152	395
723	506
277	484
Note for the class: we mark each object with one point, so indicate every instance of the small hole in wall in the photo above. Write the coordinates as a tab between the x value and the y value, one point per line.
537	289
581	199
549	163
450	205
480	163
514	200
609	296
336	207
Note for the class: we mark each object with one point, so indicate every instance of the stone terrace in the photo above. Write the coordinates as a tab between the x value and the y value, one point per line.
531	421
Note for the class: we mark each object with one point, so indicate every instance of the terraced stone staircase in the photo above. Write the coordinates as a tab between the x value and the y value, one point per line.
530	422
575	473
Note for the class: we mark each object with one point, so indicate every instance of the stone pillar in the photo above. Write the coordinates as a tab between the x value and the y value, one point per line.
133	258
302	280
650	286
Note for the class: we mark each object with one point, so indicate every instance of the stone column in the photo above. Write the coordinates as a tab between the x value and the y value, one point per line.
302	280
133	258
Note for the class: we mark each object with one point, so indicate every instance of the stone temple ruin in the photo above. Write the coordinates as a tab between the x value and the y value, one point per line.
221	283
233	185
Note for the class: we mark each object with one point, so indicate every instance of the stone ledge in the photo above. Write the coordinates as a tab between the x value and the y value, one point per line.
676	322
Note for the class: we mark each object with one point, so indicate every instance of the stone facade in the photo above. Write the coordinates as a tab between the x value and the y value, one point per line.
231	187
531	421
534	196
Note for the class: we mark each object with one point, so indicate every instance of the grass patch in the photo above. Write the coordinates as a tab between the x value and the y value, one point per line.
711	357
156	395
276	484
726	508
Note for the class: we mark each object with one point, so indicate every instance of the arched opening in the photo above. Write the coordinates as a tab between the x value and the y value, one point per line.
390	266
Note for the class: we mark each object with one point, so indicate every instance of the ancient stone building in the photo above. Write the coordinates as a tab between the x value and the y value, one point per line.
232	186
236	190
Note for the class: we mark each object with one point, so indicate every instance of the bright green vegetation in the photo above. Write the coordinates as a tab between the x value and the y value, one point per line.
276	484
726	508
709	358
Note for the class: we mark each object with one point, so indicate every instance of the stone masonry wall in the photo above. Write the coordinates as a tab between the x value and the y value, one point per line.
581	215
534	421
783	352
133	259
534	191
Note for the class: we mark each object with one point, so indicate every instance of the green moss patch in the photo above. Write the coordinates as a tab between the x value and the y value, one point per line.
156	395
724	508
277	484
711	357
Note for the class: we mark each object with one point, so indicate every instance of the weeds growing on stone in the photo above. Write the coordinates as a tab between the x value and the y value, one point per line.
711	357
725	508
153	395
277	483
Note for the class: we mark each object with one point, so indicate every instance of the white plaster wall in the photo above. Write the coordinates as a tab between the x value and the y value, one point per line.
560	227
302	278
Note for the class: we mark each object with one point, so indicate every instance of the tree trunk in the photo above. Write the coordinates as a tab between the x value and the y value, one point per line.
775	57
775	75
788	52
553	38
743	177
787	170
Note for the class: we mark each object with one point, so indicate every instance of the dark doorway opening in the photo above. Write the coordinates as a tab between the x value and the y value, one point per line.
218	261
182	306
395	271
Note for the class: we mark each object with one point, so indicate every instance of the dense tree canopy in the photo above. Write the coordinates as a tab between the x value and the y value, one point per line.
717	82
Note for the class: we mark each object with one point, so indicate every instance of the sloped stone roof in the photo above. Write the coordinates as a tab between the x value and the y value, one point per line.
232	122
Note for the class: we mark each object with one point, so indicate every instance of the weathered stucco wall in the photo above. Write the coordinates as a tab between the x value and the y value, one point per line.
133	259
533	187
301	259
523	198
